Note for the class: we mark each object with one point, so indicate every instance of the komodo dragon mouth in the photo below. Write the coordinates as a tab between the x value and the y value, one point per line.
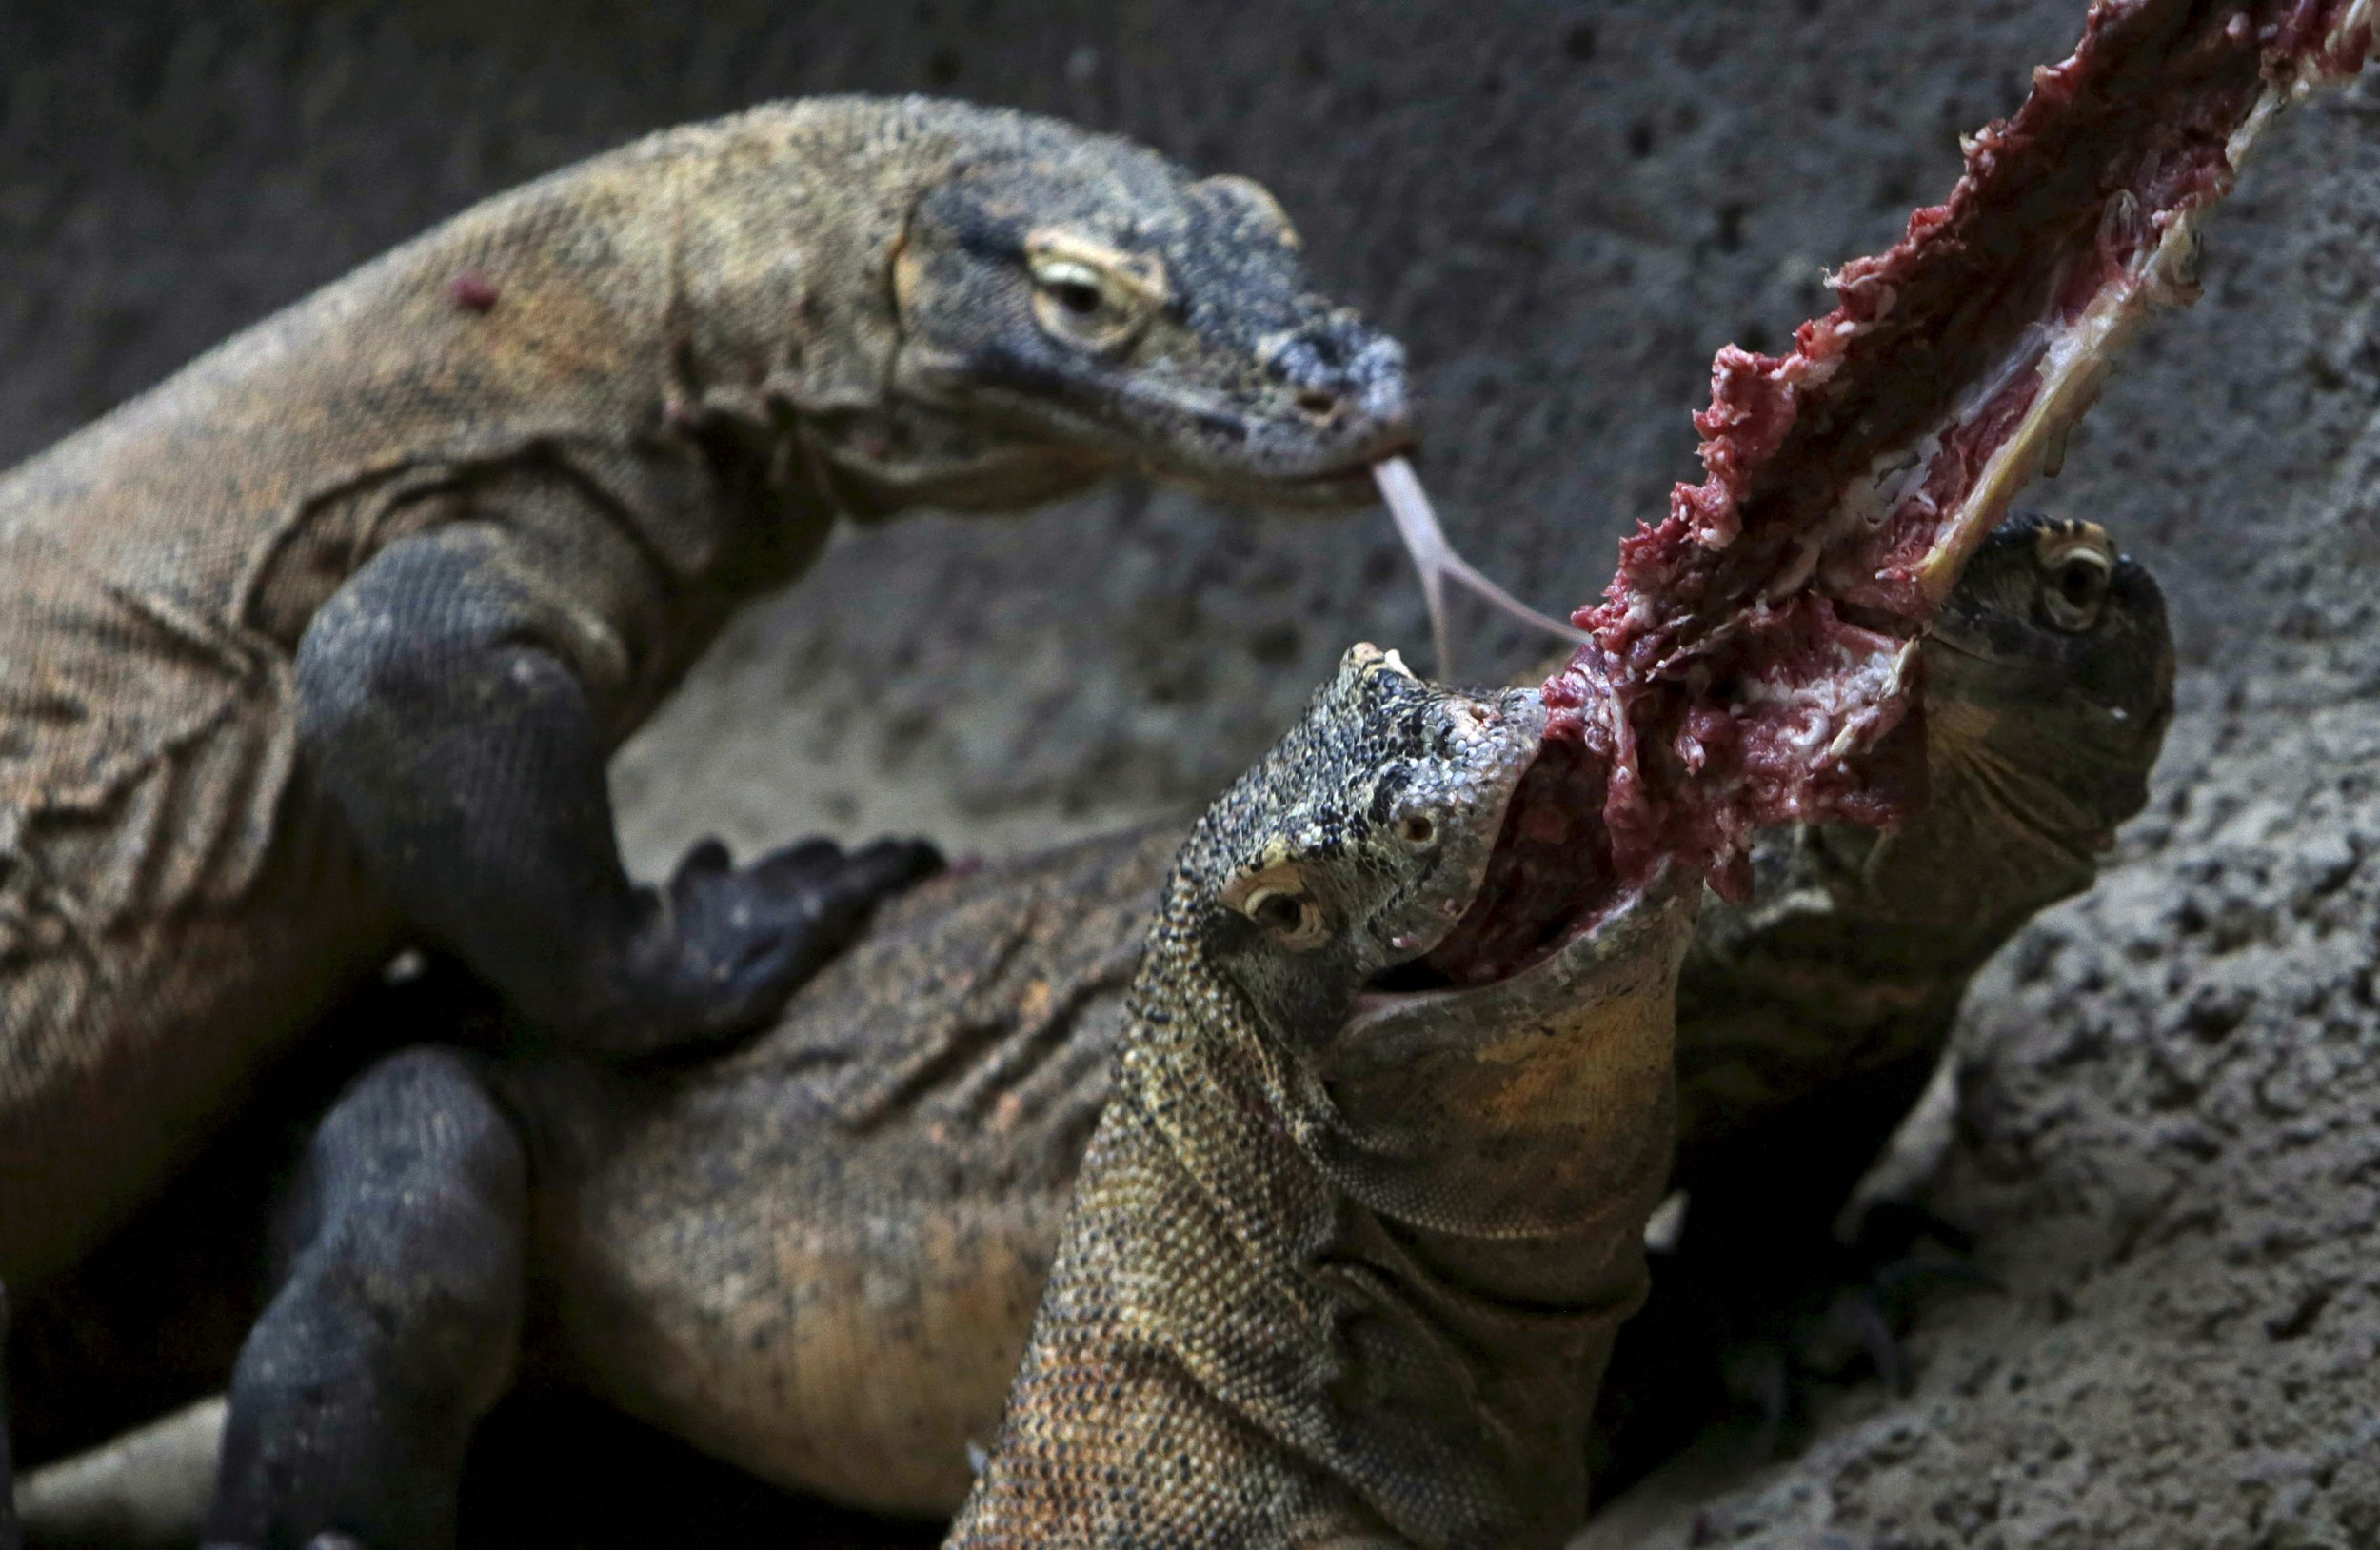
1754	659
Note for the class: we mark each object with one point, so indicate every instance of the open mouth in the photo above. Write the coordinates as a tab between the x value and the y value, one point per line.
1753	662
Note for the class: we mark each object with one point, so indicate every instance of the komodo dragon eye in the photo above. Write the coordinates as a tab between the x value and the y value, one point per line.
1277	898
2077	564
1089	296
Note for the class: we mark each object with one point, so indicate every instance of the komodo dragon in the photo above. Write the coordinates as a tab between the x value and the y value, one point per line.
324	643
816	1258
1342	1263
1332	1272
1811	1020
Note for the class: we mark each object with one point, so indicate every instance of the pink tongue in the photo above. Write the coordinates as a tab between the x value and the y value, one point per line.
1435	562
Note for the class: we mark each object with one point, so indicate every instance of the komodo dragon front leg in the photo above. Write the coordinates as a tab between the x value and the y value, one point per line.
322	644
466	759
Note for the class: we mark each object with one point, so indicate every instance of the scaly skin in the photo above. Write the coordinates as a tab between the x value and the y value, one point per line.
322	643
1810	1019
837	1304
960	1051
2044	715
1342	1266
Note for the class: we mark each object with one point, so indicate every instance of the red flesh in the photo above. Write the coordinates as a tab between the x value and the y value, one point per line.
1736	678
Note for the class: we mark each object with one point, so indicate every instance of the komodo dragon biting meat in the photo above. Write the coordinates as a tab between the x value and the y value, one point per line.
1344	1263
323	643
816	1256
1810	1018
1754	661
1305	1296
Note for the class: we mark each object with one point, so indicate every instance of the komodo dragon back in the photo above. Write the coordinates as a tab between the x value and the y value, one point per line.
627	395
819	1255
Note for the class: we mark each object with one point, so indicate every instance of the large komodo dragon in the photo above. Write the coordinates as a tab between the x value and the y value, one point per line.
1343	1263
324	641
1342	1269
817	1256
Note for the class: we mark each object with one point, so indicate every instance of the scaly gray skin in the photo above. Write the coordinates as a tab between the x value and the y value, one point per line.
2049	686
1811	1020
323	643
836	1304
1488	1158
1342	1267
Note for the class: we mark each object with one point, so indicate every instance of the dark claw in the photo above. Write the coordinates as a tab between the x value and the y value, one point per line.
729	946
709	857
889	866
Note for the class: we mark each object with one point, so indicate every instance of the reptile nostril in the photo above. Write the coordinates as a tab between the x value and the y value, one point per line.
1318	402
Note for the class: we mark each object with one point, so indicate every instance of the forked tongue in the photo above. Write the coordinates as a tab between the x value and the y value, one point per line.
1754	661
1435	562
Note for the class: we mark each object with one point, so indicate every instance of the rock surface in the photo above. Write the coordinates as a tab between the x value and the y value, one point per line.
2165	1139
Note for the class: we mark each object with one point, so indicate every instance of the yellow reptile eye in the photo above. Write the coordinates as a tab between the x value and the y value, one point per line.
2077	565
1089	297
1277	898
1285	914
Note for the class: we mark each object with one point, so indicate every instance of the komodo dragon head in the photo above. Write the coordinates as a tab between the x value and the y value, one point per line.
2049	687
2053	654
1342	860
1015	308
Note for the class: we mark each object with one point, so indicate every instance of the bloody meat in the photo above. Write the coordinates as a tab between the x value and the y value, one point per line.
1754	661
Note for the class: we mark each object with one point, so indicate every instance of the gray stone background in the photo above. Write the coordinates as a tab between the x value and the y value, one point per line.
2166	1132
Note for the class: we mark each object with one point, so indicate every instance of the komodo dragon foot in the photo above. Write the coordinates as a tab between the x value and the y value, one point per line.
468	764
1856	1314
1761	1341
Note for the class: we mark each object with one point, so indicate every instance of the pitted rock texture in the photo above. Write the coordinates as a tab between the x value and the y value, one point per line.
2165	1139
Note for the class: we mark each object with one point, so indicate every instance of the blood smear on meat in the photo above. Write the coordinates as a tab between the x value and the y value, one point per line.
1754	661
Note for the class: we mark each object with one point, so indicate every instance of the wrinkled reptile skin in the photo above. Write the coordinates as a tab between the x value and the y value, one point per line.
817	1258
653	380
1810	1019
951	1067
1338	1272
1857	947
